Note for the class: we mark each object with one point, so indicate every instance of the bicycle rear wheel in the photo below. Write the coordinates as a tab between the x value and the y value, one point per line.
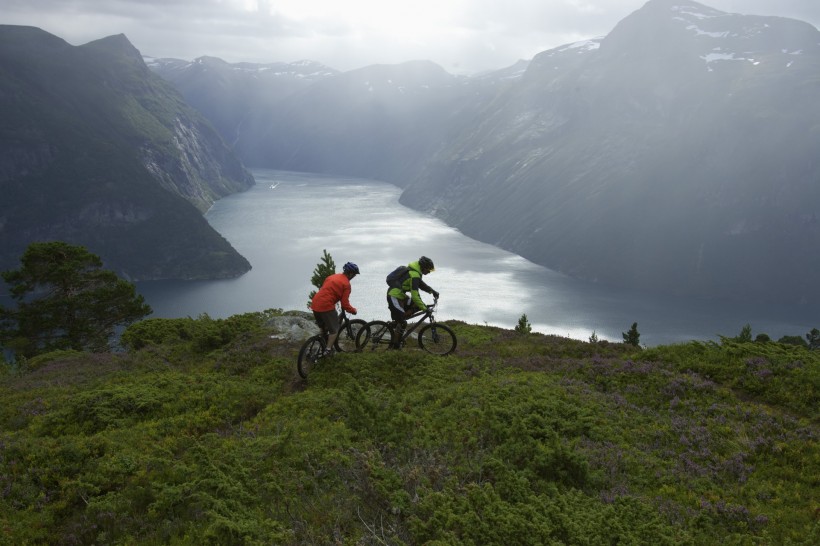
377	335
346	342
309	354
437	339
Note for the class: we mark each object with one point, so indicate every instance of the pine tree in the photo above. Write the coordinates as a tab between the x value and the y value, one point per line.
524	327
813	339
323	270
632	337
65	300
745	335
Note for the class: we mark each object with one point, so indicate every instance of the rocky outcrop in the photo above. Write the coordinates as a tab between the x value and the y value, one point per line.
198	170
293	326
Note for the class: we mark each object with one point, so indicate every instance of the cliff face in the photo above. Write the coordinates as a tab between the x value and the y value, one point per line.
97	150
678	154
197	167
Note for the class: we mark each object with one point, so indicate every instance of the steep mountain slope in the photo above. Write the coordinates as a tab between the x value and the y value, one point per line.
231	93
678	156
96	150
381	121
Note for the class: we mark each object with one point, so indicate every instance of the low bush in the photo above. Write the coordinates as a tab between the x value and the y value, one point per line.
511	440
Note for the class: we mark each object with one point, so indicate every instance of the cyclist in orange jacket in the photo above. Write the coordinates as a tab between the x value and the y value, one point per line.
335	289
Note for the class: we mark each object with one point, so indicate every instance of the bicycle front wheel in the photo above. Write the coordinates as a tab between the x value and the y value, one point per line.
377	335
437	339
346	342
309	354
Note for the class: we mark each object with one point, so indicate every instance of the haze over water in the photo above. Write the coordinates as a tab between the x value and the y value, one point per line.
283	223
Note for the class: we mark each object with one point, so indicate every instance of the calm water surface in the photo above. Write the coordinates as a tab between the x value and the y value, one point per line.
282	224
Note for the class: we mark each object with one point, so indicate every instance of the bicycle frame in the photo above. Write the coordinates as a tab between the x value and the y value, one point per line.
344	323
348	330
313	350
426	315
433	337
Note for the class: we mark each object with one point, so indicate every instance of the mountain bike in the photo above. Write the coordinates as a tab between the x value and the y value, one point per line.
313	349
433	337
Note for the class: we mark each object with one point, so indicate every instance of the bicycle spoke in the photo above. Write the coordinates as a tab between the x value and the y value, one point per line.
376	336
346	342
437	339
311	351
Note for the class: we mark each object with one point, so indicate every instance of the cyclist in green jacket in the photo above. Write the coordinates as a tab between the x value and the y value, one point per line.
401	306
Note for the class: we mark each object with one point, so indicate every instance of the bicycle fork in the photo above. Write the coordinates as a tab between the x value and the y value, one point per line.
433	332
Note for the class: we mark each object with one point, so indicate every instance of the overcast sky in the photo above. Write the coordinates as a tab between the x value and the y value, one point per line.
463	36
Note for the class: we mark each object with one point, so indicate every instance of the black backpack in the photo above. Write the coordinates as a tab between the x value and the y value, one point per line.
397	277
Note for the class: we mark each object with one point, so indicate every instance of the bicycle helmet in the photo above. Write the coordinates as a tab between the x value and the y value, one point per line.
350	267
426	264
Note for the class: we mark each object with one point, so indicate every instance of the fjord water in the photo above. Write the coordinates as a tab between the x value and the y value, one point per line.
282	225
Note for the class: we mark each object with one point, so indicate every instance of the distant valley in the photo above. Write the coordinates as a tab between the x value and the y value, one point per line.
676	154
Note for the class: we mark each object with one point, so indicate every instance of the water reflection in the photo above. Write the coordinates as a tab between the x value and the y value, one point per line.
283	229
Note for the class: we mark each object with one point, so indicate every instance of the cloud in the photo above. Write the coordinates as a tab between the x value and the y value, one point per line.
460	35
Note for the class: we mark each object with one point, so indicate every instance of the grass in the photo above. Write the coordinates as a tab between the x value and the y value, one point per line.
206	435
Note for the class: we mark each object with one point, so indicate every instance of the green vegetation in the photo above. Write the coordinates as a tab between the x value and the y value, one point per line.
632	337
813	339
202	433
523	327
323	270
107	155
65	300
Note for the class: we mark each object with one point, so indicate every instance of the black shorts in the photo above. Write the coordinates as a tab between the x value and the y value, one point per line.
328	321
397	308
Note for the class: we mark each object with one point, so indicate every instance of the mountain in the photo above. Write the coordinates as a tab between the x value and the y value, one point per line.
380	121
677	154
230	94
97	150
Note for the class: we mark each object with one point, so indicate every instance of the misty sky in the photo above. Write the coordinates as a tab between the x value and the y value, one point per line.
463	36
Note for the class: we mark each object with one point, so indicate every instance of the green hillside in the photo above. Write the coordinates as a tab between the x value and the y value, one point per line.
206	435
98	151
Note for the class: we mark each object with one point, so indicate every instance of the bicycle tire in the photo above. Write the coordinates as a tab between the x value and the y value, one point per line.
437	339
309	354
376	336
346	342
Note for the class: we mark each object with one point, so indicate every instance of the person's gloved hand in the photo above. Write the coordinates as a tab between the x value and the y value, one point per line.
435	294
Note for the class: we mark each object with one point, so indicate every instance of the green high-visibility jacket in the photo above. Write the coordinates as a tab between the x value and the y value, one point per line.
413	283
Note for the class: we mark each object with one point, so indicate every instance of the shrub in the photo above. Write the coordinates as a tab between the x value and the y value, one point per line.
524	327
201	335
65	300
793	340
322	271
813	339
632	337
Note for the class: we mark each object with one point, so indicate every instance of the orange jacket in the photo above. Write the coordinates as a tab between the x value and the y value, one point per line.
336	288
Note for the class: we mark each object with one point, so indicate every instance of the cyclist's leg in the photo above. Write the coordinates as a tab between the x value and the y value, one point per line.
329	324
397	313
